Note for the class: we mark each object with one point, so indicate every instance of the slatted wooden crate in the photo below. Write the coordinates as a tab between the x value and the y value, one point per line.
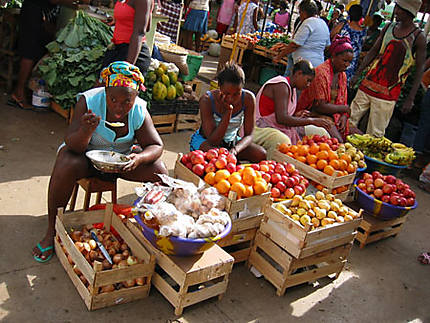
372	229
260	50
300	241
187	122
96	278
185	281
283	270
315	175
164	123
65	113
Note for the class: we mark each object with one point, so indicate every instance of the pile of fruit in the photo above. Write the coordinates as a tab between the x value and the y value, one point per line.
387	188
320	156
383	149
219	168
317	210
270	39
317	139
252	38
119	252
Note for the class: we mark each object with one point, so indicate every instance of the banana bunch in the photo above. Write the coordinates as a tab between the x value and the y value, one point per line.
401	155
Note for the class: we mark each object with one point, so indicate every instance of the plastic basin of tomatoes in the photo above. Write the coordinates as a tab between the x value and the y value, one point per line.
379	209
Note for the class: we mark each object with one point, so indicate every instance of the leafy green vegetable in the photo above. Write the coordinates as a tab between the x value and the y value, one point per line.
75	58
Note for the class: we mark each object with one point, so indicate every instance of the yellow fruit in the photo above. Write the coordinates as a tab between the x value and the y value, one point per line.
315	222
223	186
210	178
249	191
234	178
248	176
239	188
305	219
295	217
221	175
260	186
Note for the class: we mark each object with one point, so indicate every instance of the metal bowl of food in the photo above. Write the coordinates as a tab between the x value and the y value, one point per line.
107	161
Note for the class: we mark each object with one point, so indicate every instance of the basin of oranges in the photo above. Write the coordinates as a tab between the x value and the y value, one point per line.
321	157
245	181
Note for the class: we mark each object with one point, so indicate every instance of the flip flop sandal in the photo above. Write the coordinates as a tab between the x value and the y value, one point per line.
42	250
424	258
14	102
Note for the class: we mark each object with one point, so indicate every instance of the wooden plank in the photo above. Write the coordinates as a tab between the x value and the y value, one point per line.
248	223
287	224
112	276
82	290
107	220
331	255
382	235
187	122
122	296
205	293
165	289
377	224
265	268
182	172
273	250
255	204
237	237
331	231
164	123
328	245
81	218
74	253
313	274
241	255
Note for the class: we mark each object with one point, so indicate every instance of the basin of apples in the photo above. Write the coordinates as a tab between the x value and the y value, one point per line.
387	188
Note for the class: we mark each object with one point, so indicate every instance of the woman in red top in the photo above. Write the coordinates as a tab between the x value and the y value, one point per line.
132	19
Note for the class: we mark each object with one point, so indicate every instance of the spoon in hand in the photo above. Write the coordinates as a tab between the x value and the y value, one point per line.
114	124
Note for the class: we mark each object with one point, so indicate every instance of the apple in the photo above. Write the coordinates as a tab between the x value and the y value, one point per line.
232	159
221	163
197	158
291	169
281	186
295	173
270	172
290	182
223	151
402	201
387	189
280	169
275	178
378	193
239	167
211	154
210	168
317	138
289	193
394	199
264	162
255	166
360	181
410	201
231	167
185	159
299	190
362	187
390	179
199	170
385	198
367	176
285	178
266	177
189	165
334	141
275	192
370	188
296	180
406	186
379	182
376	174
305	182
368	182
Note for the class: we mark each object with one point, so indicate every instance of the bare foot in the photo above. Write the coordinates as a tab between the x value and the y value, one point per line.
45	243
19	101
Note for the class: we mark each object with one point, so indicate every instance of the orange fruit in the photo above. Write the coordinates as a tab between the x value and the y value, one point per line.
313	149
248	176
260	187
303	150
234	178
332	155
301	159
319	187
329	170
346	158
210	178
249	191
311	159
223	186
283	148
335	163
343	165
239	188
221	174
293	149
350	169
324	146
313	166
322	155
321	164
290	154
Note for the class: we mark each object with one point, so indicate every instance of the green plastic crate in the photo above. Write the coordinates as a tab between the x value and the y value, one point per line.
194	62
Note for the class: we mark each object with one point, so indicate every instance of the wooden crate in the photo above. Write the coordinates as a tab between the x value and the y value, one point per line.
196	85
96	278
313	174
164	123
185	281
283	270
238	242
65	113
299	241
260	50
228	42
187	122
251	206
372	229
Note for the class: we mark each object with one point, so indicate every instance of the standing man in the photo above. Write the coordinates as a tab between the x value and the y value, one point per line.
400	45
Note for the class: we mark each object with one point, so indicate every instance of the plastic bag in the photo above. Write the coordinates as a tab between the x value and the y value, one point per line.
425	175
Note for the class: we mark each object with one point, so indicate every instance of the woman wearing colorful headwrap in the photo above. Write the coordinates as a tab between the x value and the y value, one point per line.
327	95
116	102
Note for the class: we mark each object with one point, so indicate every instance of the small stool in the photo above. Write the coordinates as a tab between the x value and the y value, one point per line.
93	185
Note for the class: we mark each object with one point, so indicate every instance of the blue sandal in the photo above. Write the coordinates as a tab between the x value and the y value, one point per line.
42	250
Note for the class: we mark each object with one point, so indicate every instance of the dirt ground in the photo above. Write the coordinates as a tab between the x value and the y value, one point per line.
382	283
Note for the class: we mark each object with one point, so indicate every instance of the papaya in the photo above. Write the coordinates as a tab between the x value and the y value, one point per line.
164	67
159	72
179	89
165	79
151	77
159	91
171	92
173	77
